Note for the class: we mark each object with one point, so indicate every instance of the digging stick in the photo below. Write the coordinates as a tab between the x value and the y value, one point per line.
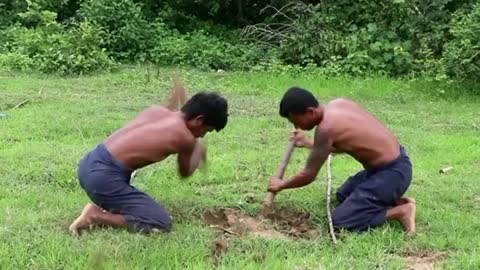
329	191
268	203
179	94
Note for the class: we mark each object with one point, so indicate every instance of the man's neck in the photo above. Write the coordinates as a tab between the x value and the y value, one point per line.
319	112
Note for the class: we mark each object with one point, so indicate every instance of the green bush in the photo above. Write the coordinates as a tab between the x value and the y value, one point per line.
201	49
435	38
11	11
126	32
15	61
53	49
374	50
462	53
397	37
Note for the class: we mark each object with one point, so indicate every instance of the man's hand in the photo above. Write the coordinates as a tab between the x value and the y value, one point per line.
192	159
199	155
202	153
320	151
275	184
300	139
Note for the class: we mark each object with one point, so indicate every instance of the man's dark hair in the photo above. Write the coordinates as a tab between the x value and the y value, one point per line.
296	101
211	105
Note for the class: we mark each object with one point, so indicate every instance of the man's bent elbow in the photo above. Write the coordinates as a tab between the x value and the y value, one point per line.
184	173
309	176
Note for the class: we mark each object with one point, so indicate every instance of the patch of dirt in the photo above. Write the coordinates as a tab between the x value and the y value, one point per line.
283	224
423	260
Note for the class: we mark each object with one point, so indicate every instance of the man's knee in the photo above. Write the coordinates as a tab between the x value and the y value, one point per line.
339	224
162	220
167	223
159	224
346	220
338	220
340	197
357	221
151	217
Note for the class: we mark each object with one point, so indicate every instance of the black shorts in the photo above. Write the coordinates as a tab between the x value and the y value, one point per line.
365	197
107	183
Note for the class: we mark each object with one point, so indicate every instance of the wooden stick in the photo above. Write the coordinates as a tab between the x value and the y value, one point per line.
268	203
179	94
329	191
21	104
223	229
444	170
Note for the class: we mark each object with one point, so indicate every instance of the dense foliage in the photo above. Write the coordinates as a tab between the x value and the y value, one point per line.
440	38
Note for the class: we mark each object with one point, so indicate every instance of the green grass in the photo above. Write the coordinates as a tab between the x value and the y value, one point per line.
42	142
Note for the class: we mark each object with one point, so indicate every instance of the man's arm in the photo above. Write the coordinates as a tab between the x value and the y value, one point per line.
308	143
190	158
318	155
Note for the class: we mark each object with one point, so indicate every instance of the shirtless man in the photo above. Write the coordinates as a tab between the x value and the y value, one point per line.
152	136
370	197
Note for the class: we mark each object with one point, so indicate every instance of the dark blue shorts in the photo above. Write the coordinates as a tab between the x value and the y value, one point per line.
365	197
107	183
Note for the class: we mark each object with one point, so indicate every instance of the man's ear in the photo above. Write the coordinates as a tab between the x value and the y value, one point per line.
199	119
310	111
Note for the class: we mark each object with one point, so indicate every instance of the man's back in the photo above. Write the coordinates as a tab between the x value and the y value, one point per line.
152	136
358	133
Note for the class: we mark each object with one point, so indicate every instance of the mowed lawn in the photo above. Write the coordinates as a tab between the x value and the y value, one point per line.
42	141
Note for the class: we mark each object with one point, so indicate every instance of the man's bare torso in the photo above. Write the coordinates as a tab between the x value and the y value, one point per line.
152	136
356	132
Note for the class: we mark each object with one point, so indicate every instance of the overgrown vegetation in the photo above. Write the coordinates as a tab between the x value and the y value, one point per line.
439	38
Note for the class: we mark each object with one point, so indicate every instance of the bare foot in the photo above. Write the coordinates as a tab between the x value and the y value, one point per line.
86	218
405	200
407	219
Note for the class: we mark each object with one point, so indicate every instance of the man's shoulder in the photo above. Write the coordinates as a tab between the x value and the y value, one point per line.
172	134
152	113
341	101
181	134
335	113
331	119
324	130
157	109
169	124
341	106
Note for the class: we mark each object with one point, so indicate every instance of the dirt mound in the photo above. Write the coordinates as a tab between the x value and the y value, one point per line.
283	224
423	260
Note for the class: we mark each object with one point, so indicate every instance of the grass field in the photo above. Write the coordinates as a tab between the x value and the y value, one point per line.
42	142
